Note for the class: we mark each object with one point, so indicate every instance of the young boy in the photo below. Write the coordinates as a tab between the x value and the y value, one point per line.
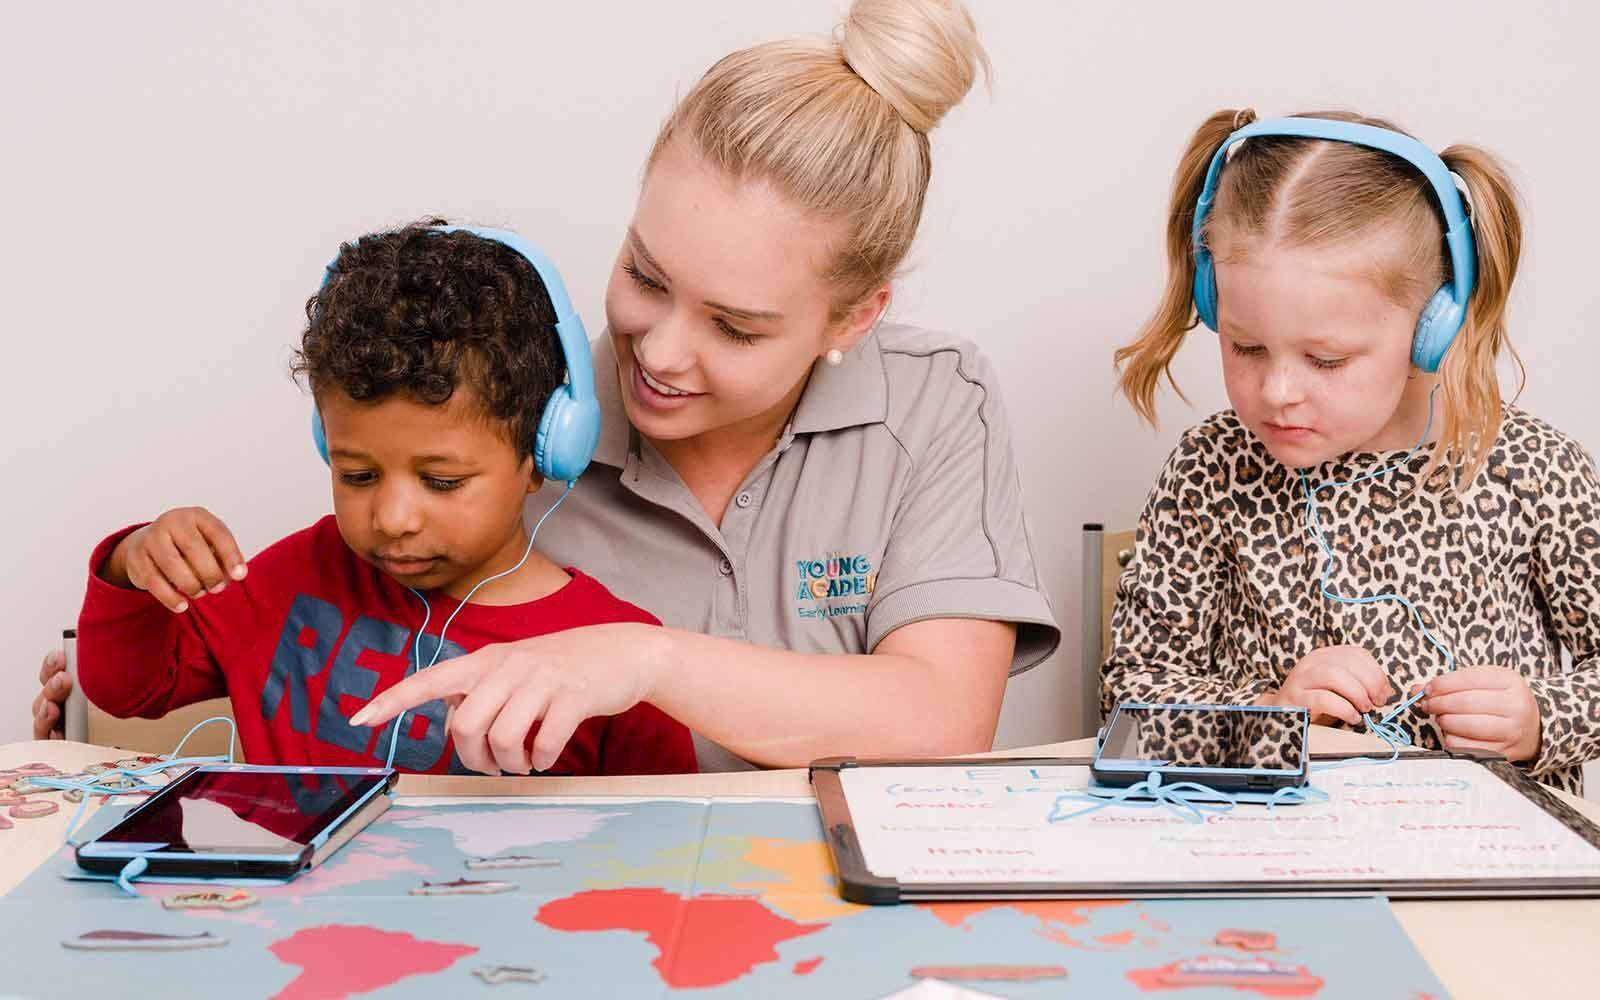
431	355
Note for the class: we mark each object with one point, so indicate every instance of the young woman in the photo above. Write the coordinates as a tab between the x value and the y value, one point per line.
822	508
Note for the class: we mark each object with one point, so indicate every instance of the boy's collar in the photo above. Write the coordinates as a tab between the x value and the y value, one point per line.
849	394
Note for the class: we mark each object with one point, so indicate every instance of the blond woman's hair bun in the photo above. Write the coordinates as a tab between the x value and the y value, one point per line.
921	56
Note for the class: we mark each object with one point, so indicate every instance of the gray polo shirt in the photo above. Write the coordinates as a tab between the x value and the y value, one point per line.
890	498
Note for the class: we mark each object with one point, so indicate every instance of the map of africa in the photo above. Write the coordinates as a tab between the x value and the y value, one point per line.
670	897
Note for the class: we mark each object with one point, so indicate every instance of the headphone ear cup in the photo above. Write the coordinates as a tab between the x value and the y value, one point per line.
1437	327
1205	288
319	437
568	432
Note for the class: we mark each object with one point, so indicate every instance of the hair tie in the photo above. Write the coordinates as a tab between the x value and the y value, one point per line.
1243	117
881	95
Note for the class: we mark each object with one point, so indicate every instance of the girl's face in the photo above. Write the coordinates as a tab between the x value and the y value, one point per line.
716	306
1315	357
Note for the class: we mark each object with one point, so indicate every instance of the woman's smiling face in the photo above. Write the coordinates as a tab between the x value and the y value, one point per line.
716	306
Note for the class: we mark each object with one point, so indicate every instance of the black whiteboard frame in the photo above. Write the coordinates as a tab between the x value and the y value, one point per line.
858	884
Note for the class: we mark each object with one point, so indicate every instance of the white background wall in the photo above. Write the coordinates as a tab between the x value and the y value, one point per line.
174	177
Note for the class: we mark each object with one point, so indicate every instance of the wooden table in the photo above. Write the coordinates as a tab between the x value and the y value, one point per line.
1477	948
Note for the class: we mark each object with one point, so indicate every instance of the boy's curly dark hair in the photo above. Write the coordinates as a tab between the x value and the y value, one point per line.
420	313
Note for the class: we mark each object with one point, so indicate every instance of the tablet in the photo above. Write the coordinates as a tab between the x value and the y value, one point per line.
235	819
1228	747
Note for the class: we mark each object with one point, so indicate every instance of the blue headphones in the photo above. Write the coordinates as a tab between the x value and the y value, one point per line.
569	428
1442	317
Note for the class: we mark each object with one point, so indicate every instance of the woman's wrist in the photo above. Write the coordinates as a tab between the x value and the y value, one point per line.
654	650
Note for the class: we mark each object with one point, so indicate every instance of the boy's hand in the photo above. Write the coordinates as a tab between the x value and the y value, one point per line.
498	693
185	553
1485	708
54	686
1338	682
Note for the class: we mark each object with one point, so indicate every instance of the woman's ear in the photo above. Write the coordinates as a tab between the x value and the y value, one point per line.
861	319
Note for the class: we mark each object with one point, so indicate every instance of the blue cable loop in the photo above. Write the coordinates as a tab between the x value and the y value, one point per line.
130	871
1295	795
1178	796
233	737
98	784
1387	730
427	613
1314	528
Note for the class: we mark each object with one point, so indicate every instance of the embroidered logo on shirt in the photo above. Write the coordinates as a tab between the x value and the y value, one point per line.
837	585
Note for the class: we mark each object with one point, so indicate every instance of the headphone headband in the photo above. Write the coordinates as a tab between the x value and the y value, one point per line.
1445	312
1458	225
569	328
569	426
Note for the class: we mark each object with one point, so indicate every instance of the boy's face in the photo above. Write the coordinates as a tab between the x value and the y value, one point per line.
431	495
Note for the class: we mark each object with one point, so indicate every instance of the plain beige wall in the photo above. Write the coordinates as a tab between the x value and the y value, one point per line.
176	175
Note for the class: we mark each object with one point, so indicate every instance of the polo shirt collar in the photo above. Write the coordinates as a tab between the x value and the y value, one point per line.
849	394
615	431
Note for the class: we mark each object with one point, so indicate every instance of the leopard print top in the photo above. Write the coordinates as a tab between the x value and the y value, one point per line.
1222	597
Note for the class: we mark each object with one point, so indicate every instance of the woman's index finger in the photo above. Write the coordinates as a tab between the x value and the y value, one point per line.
443	681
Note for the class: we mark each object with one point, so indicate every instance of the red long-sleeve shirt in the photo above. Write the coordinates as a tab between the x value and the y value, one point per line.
311	634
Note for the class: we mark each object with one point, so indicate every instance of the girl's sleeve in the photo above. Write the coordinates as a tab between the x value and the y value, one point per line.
1170	597
1567	575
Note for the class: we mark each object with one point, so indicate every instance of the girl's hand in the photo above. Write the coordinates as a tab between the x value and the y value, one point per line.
1334	682
498	693
1485	708
184	553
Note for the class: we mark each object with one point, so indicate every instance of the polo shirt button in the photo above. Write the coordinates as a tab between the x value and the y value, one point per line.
725	567
744	499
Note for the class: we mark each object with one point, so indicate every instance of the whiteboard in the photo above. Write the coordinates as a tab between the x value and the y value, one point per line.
1436	826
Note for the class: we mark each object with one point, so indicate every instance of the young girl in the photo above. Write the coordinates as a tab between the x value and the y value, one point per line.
1370	518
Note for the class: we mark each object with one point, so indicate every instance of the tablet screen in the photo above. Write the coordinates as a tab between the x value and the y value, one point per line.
1202	736
243	811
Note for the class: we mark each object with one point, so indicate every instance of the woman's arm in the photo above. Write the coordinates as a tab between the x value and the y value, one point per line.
931	688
